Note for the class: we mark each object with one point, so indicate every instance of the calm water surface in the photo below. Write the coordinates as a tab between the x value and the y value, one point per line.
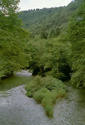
17	109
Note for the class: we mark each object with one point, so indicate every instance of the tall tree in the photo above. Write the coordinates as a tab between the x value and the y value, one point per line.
12	38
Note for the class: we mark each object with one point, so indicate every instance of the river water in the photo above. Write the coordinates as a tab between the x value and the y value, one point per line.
17	109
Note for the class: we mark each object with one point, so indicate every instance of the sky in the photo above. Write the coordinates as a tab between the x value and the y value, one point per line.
33	4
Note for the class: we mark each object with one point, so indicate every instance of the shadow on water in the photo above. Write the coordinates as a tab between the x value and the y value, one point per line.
17	79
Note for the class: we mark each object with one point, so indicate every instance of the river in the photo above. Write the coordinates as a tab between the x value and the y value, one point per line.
17	109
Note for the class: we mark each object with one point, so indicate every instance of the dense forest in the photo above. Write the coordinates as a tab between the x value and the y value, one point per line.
48	22
48	42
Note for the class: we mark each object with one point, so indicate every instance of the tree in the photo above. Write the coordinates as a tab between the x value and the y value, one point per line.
8	15
77	38
9	7
12	39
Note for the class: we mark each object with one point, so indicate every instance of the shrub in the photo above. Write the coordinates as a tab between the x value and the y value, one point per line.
40	94
33	86
45	90
78	78
52	83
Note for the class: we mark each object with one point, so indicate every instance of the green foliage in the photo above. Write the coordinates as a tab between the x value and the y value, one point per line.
12	39
8	16
45	91
48	22
12	57
77	37
9	7
49	57
40	94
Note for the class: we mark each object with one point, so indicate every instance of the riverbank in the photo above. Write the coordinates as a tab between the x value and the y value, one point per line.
16	108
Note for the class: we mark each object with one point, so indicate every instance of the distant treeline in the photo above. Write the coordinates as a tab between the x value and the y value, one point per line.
48	22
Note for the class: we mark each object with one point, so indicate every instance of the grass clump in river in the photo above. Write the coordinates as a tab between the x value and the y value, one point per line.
45	91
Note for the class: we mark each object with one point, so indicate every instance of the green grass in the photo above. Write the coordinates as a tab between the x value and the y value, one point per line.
45	91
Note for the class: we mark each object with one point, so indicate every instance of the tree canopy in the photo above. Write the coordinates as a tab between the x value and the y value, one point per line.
77	37
12	38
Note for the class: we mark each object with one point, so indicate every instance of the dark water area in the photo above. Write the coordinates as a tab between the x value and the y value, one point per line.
17	109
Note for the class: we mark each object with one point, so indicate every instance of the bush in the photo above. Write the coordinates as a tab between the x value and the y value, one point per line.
40	94
78	78
45	91
34	86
